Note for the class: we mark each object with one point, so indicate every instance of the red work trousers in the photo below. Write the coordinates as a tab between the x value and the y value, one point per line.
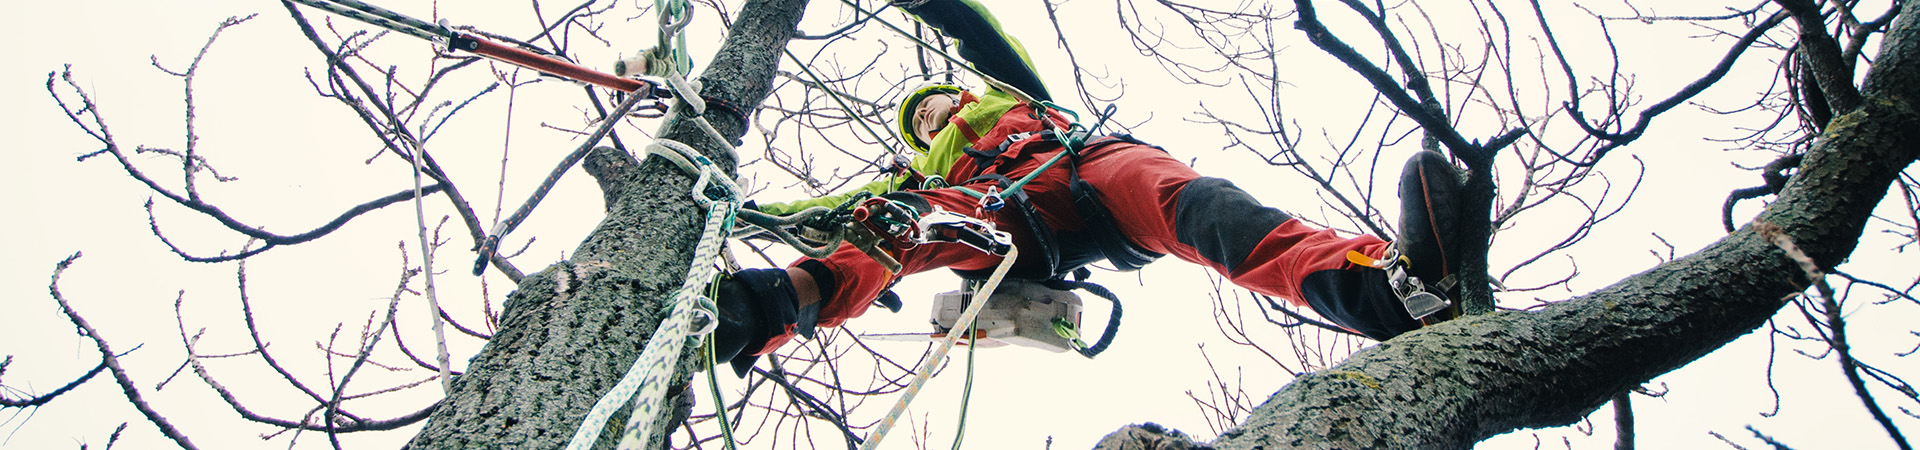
1158	203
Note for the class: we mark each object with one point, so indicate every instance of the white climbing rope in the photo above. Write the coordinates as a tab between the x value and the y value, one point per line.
645	383
926	369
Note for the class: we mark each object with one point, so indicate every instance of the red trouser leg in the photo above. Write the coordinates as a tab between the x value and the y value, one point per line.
1166	207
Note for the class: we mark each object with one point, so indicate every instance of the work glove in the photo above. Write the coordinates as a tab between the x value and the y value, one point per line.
756	305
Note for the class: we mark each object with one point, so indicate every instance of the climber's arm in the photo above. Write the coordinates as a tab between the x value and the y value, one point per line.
982	42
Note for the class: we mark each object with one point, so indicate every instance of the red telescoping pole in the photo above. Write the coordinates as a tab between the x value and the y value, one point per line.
549	65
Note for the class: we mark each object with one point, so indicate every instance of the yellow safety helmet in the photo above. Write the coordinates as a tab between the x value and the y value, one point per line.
912	102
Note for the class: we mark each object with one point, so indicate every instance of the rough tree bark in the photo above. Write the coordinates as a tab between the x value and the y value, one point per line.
569	332
1451	385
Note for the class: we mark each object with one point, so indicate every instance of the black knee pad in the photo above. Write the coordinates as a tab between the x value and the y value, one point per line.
1222	221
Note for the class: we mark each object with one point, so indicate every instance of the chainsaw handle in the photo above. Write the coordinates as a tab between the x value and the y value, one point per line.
1113	321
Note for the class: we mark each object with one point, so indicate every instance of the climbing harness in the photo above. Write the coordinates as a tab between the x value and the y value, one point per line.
880	226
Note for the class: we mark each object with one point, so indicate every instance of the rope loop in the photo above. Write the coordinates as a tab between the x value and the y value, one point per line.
705	311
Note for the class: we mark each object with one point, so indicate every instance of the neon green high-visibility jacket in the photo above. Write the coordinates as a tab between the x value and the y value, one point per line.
989	50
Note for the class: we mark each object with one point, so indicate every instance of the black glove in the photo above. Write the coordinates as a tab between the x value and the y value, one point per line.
755	305
890	301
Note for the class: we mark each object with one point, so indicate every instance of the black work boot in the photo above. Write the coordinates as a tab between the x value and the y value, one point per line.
1429	195
755	305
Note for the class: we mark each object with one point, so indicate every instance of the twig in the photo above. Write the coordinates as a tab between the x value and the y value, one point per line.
1616	140
49	396
492	242
1623	420
336	64
101	133
1300	319
1836	325
113	362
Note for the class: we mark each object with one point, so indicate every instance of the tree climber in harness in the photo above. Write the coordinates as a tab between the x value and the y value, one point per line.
1114	198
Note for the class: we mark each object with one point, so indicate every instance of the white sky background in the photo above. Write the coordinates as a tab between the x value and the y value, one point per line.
299	160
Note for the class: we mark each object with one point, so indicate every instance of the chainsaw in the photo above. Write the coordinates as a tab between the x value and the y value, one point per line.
1020	313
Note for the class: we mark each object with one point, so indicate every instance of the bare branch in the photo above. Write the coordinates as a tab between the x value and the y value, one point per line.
112	361
42	399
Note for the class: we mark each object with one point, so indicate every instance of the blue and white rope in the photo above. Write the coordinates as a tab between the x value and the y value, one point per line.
648	377
645	383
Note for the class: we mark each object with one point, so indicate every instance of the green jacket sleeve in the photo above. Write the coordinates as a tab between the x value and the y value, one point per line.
982	42
877	187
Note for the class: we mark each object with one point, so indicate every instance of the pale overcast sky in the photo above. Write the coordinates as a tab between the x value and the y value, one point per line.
299	160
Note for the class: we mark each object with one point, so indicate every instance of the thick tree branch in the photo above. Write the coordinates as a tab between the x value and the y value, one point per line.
1823	55
1432	388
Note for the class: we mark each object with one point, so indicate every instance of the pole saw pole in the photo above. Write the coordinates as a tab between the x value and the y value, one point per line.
438	33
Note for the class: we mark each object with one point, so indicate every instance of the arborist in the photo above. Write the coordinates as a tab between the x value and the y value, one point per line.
1113	197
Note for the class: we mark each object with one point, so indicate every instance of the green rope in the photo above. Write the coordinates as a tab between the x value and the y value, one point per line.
646	380
672	47
713	382
966	393
940	352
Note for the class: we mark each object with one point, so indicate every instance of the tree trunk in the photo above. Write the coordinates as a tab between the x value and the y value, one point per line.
1451	385
569	332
